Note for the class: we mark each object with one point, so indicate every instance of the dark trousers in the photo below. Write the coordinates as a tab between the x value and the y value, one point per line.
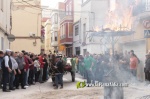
59	79
31	75
147	75
19	78
5	79
88	75
45	73
73	75
11	79
24	77
36	74
0	78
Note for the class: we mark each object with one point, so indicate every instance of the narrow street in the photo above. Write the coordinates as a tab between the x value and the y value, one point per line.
46	91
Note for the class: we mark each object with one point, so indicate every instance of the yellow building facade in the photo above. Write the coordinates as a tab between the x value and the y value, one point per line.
47	42
26	26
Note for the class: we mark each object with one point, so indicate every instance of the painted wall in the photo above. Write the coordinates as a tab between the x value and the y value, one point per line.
26	20
92	17
5	25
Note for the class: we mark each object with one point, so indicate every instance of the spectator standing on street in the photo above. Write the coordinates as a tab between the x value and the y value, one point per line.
133	64
1	59
73	64
147	67
36	68
88	64
20	76
26	68
31	70
41	67
58	72
7	69
13	73
45	67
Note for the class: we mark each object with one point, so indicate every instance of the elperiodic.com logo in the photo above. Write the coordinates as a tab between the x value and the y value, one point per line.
100	84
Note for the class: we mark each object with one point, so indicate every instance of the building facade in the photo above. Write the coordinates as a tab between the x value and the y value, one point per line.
56	15
26	22
5	23
47	42
66	28
76	27
93	15
139	41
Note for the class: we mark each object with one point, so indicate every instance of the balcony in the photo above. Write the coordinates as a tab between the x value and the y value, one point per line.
66	18
65	41
54	43
142	9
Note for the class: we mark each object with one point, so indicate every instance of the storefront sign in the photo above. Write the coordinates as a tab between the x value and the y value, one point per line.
147	33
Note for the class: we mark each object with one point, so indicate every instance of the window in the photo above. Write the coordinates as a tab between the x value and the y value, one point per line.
70	30
70	9
2	43
64	30
147	5
84	32
55	36
67	9
76	30
2	3
84	1
56	18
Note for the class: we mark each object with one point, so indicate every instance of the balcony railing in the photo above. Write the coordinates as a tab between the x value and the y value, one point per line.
63	36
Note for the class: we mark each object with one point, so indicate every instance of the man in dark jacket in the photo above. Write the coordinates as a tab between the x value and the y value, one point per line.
1	59
58	72
7	69
147	67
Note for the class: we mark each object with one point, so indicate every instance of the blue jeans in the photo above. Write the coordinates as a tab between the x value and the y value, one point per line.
11	79
59	79
24	78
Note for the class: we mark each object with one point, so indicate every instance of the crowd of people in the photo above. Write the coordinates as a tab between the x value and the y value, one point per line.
95	66
26	68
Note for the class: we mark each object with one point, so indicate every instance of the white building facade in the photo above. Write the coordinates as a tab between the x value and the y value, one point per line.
54	29
76	27
93	15
5	23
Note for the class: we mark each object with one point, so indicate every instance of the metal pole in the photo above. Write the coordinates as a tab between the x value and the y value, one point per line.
113	44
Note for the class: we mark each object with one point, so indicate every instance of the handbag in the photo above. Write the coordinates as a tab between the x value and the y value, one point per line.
67	68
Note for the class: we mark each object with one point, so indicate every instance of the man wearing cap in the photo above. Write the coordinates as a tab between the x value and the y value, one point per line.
147	67
7	69
58	72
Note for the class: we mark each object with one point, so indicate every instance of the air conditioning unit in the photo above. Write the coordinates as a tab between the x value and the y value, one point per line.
32	34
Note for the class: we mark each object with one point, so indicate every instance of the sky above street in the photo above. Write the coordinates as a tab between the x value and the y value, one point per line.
50	3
